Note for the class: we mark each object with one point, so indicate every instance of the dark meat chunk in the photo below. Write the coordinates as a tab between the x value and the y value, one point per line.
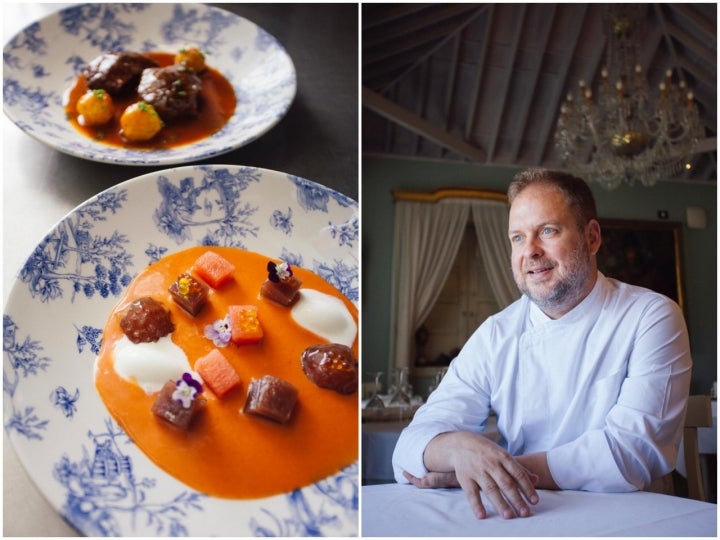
284	293
146	320
271	398
173	410
115	72
172	90
331	366
281	286
189	293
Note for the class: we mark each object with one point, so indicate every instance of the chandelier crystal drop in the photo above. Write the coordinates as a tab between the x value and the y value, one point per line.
623	135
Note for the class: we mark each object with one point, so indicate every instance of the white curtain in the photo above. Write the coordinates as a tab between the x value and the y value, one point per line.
426	242
491	228
427	237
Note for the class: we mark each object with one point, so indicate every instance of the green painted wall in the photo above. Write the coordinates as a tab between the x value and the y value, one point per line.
381	176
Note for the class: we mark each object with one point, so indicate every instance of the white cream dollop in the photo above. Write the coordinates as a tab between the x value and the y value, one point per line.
326	316
150	365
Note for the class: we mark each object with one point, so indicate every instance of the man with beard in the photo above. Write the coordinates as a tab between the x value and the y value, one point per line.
588	376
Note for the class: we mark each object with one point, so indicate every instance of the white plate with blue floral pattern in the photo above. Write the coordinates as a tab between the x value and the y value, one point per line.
43	61
82	461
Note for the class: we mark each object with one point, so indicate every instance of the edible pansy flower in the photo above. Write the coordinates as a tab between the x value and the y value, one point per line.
279	272
219	332
186	390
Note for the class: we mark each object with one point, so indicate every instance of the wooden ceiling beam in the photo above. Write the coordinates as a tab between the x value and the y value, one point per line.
407	119
537	67
372	16
509	73
439	15
476	92
561	82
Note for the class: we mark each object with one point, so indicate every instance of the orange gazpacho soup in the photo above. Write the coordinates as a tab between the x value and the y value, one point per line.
226	452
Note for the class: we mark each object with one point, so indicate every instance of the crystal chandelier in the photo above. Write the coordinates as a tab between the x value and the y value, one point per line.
623	135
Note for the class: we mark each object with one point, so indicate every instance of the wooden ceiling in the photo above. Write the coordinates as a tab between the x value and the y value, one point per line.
484	82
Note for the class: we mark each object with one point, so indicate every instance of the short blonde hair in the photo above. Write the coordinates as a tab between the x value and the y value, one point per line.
577	193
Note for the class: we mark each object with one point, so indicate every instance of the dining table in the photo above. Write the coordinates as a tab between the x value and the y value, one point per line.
402	510
316	140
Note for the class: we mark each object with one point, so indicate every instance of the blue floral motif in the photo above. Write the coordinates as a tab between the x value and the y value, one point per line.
28	40
209	25
282	222
310	195
24	359
339	505
34	102
63	400
342	276
212	206
264	41
294	259
101	489
88	335
346	233
100	24
70	253
155	252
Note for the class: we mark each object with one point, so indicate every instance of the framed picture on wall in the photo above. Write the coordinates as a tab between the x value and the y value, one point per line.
644	253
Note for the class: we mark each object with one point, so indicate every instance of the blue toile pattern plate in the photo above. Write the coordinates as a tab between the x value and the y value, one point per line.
43	61
82	461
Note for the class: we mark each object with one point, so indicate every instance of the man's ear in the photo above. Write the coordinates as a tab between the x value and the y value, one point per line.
593	235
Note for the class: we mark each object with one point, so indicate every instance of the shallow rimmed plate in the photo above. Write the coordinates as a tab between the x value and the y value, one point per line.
83	463
43	60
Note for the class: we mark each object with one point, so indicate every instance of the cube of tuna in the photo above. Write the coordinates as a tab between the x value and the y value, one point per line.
214	269
189	293
272	398
283	292
245	327
172	410
217	372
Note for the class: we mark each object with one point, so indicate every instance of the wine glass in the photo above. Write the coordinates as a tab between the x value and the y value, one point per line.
401	396
375	401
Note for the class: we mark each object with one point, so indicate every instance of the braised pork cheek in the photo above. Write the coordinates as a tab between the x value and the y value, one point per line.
172	90
115	72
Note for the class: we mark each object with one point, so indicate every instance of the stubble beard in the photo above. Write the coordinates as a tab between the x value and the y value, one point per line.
568	291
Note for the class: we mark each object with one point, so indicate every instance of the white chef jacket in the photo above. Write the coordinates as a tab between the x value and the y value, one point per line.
602	390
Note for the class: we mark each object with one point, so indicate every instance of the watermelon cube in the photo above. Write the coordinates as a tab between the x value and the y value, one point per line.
245	327
217	372
214	269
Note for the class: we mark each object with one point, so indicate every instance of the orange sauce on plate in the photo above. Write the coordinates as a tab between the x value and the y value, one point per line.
227	453
216	106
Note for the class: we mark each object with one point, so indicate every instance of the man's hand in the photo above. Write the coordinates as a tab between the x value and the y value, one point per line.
433	480
476	463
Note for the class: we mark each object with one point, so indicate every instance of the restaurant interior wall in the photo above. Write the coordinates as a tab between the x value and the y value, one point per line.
380	176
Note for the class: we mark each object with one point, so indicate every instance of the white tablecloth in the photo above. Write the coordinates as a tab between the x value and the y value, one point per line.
403	510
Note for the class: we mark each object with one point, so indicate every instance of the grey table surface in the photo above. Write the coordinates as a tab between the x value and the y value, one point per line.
316	140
